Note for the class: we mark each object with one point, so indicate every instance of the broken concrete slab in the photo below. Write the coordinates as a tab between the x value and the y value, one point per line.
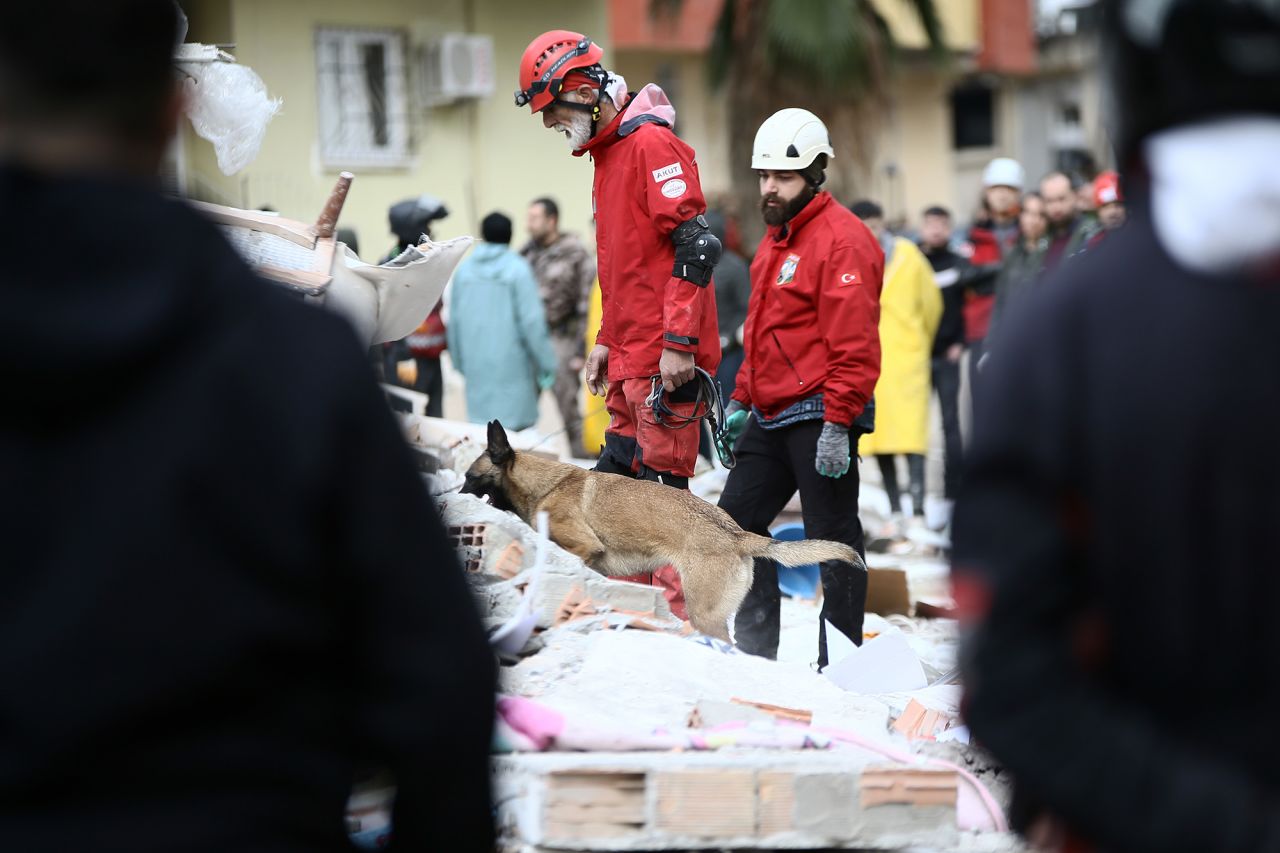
645	681
562	573
741	800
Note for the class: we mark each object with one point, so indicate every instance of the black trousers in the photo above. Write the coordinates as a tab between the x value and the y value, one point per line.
915	473
431	382
946	381
772	466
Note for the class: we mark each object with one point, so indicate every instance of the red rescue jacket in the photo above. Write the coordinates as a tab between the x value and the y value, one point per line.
980	303
646	184
813	316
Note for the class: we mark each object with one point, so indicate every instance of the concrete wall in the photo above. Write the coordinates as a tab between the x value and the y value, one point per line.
476	155
913	163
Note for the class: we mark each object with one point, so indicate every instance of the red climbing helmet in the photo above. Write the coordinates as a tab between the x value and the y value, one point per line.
1106	189
548	60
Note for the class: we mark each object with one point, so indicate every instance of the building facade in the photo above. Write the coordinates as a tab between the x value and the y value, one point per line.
366	87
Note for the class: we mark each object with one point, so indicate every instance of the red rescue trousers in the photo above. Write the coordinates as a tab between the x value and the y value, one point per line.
659	449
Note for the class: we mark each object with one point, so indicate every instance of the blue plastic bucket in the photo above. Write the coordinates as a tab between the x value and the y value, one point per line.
798	581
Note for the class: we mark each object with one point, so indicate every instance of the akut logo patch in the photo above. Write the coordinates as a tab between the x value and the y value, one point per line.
787	273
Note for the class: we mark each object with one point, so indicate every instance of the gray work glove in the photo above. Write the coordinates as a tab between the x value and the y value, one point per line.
833	451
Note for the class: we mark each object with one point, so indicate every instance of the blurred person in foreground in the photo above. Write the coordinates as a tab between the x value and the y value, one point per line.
950	269
910	308
804	391
222	593
565	272
1114	552
498	337
1024	262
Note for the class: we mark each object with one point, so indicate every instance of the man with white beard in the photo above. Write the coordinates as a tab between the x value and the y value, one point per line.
655	257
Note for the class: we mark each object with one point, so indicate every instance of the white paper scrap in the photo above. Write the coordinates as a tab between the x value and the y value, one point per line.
839	646
884	664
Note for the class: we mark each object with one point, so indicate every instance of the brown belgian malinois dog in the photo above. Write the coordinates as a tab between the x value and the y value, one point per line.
622	527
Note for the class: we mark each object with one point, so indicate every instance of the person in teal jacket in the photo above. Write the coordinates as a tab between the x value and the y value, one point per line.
497	331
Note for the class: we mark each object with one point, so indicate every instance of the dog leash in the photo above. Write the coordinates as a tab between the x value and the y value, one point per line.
708	405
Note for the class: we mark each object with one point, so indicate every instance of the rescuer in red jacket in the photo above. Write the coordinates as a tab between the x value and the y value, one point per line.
655	255
812	360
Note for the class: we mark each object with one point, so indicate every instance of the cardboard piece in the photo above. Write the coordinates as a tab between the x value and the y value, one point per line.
887	592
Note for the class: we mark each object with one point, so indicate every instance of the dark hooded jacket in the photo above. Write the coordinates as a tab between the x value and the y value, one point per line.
225	587
1115	552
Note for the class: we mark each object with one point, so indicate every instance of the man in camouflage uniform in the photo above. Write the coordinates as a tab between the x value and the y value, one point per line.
565	270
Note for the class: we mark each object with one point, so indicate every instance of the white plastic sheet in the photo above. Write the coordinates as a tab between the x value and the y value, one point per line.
228	105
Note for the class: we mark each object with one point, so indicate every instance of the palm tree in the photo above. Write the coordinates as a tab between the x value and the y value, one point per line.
833	57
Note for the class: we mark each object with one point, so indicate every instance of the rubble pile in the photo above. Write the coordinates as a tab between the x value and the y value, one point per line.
619	727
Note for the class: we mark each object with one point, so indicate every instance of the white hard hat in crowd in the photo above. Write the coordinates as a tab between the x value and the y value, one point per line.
1004	172
790	140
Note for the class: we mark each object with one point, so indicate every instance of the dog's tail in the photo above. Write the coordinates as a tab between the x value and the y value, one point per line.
805	551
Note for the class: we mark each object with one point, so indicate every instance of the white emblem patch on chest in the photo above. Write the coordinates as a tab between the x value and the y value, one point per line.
673	188
787	273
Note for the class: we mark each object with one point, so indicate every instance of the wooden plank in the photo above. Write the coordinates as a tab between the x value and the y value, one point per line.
799	715
301	233
328	220
707	803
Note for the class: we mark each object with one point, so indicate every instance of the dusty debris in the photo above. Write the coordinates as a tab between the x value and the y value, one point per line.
795	715
921	723
576	605
709	714
617	688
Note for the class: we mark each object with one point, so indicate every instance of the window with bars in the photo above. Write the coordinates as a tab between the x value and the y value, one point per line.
361	98
973	117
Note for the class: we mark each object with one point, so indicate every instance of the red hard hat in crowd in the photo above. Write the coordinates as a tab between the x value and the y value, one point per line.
548	60
1106	189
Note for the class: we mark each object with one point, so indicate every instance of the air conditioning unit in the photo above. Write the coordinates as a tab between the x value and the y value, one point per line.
455	66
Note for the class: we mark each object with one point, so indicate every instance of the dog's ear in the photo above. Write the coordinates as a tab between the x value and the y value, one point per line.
500	452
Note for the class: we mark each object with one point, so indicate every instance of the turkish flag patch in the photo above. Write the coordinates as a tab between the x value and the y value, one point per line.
849	278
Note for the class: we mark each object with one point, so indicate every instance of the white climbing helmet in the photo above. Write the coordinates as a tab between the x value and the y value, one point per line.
790	140
1004	172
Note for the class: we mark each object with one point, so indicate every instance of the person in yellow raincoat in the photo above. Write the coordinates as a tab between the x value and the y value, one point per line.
596	419
910	308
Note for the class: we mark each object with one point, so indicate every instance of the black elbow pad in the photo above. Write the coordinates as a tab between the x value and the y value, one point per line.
697	251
